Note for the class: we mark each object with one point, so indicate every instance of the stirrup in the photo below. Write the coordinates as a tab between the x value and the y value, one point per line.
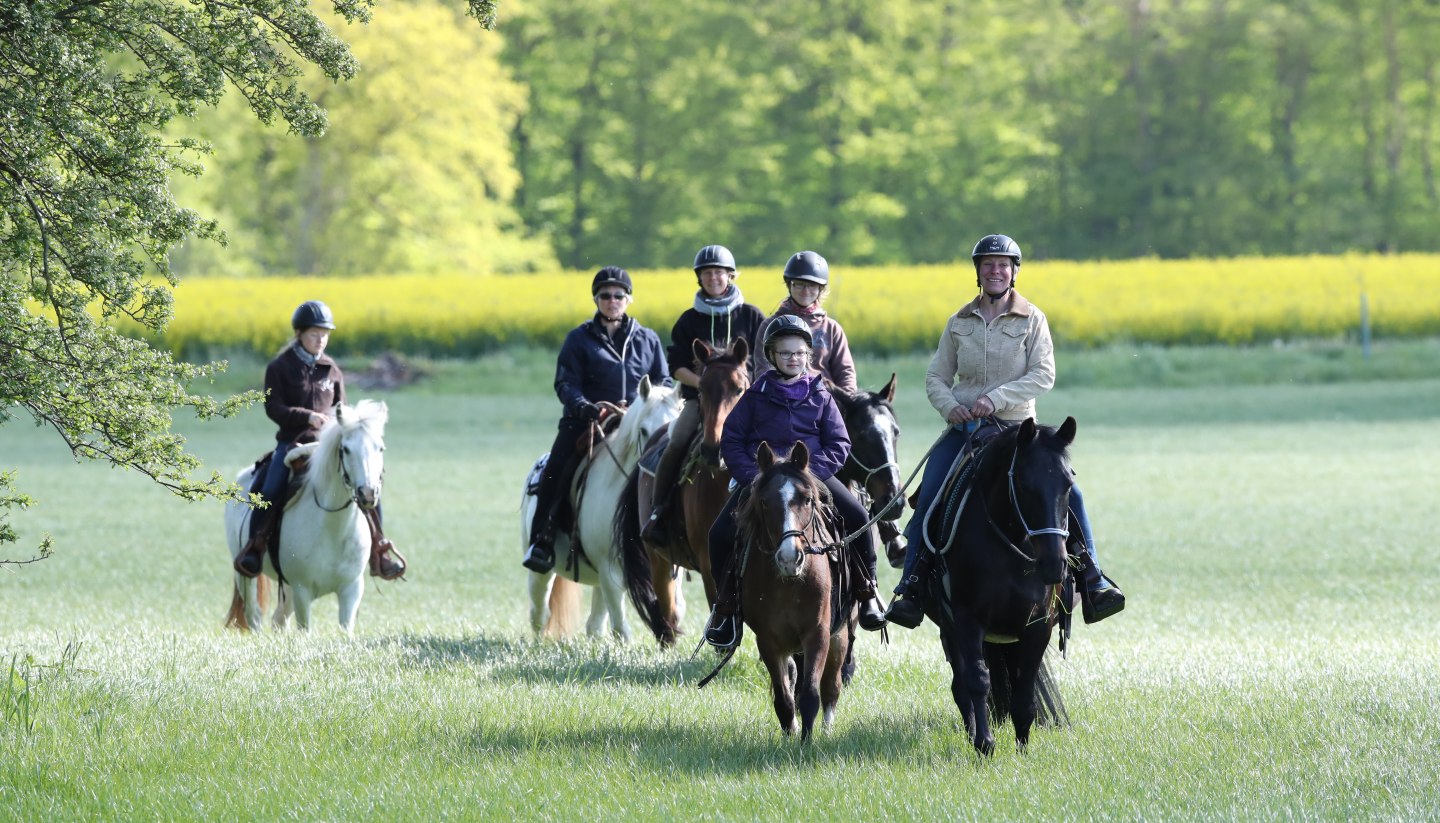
905	612
1101	603
397	566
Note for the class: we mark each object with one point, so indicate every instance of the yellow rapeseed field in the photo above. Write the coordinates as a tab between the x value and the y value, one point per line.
883	309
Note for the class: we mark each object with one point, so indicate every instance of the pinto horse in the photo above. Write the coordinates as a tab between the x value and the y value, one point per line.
1003	548
596	490
791	588
649	567
872	470
324	537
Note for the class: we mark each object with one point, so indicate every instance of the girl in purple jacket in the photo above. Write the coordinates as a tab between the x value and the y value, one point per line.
787	404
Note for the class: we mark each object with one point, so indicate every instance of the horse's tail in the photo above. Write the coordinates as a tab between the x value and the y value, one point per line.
564	608
236	618
635	562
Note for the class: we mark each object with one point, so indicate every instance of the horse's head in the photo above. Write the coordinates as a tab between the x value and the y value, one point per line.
784	508
874	436
353	448
1038	480
654	408
724	377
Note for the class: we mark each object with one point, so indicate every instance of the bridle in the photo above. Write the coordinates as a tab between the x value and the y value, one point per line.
344	472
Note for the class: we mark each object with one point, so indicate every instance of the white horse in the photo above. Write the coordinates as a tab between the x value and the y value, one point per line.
554	599
324	537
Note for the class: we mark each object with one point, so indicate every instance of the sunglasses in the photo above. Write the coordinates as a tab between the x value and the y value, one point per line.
612	295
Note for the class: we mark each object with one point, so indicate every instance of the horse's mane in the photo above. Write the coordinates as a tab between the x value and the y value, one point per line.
625	433
995	455
747	514
367	414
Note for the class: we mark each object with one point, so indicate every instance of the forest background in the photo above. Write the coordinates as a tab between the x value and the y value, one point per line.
591	132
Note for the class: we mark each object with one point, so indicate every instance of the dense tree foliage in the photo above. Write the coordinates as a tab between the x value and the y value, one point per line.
898	132
87	221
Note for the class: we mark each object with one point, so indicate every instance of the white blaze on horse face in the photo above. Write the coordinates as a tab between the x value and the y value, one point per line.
790	554
364	463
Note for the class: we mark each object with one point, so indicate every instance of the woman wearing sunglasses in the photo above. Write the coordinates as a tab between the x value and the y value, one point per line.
602	360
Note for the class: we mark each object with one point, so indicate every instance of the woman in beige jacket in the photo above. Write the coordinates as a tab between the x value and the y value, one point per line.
994	359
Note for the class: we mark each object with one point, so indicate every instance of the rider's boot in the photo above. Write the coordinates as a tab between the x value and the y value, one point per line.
251	559
907	609
386	561
540	557
724	630
659	512
872	611
1099	597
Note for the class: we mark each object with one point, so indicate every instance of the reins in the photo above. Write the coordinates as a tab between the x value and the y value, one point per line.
345	479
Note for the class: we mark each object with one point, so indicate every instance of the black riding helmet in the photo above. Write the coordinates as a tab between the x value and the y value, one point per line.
787	324
996	245
714	256
312	313
809	266
611	276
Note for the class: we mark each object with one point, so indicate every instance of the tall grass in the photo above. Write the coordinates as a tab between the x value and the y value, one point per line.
1276	659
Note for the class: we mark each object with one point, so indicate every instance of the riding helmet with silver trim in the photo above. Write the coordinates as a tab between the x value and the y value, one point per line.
808	266
611	276
788	324
998	245
714	256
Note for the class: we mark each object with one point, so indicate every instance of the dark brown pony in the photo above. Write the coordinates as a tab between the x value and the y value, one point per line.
724	377
1003	543
790	572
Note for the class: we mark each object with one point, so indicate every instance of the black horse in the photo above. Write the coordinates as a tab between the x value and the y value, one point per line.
1003	542
871	470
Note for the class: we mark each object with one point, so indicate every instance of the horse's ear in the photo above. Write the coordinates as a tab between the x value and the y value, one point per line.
1067	431
800	455
645	387
340	413
702	351
889	391
1027	432
764	456
741	349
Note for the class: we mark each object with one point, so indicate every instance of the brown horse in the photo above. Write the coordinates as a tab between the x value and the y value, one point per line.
790	573
724	377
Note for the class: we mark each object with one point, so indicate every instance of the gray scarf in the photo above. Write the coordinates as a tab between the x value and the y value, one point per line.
722	305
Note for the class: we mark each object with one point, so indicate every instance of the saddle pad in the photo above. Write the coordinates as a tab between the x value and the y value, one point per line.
650	460
532	480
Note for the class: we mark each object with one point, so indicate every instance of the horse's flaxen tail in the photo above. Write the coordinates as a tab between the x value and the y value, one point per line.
564	609
635	562
236	618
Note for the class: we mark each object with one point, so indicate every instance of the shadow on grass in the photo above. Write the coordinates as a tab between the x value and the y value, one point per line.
585	660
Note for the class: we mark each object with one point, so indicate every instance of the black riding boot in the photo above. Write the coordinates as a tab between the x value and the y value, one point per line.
907	609
251	559
1099	597
540	557
724	630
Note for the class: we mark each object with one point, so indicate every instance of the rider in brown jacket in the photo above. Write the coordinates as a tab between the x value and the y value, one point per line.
303	386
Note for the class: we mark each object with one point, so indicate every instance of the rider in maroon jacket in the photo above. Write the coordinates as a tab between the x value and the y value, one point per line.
303	386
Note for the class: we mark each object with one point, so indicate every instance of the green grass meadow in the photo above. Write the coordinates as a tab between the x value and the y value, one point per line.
1275	534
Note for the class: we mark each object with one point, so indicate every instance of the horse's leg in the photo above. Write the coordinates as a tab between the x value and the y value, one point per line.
834	679
539	585
599	614
284	605
249	588
349	597
812	665
665	588
970	685
611	588
781	670
1022	681
303	601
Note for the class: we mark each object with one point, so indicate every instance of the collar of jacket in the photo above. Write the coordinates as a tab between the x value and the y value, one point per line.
597	327
1021	306
765	385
